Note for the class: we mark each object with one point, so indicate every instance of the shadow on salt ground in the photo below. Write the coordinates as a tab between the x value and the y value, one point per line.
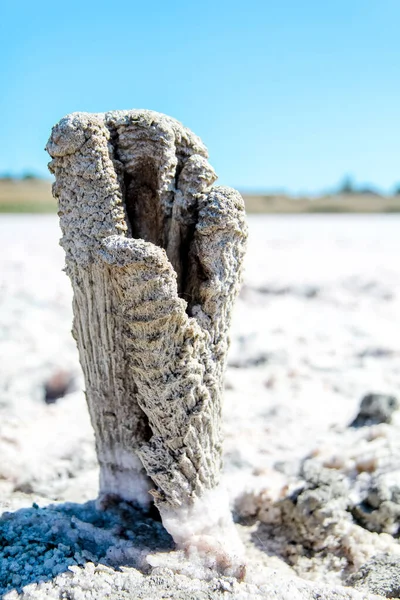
37	544
273	542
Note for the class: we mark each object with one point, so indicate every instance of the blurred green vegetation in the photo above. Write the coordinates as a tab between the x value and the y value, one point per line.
26	195
30	194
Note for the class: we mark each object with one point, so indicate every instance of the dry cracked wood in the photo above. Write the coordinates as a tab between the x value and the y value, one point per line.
154	253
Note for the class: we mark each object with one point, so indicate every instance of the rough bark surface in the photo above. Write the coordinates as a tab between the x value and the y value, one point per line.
154	253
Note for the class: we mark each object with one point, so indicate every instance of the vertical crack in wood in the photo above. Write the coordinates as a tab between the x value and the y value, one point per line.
142	202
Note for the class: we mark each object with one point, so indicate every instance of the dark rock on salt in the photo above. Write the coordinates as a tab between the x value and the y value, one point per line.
375	408
58	385
380	575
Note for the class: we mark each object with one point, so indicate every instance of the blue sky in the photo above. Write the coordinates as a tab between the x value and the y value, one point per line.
288	95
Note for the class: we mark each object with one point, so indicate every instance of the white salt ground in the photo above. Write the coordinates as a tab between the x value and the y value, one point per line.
315	329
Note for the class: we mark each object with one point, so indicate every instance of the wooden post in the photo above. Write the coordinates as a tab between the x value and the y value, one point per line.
154	253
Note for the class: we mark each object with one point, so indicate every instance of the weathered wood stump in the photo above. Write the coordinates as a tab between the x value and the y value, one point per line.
154	254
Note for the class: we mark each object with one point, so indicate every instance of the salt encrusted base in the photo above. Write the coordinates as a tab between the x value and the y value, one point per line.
205	530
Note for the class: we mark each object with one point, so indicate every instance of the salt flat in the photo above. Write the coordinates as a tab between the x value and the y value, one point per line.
315	329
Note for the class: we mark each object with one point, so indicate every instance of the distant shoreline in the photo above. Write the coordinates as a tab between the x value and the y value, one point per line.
34	196
328	204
